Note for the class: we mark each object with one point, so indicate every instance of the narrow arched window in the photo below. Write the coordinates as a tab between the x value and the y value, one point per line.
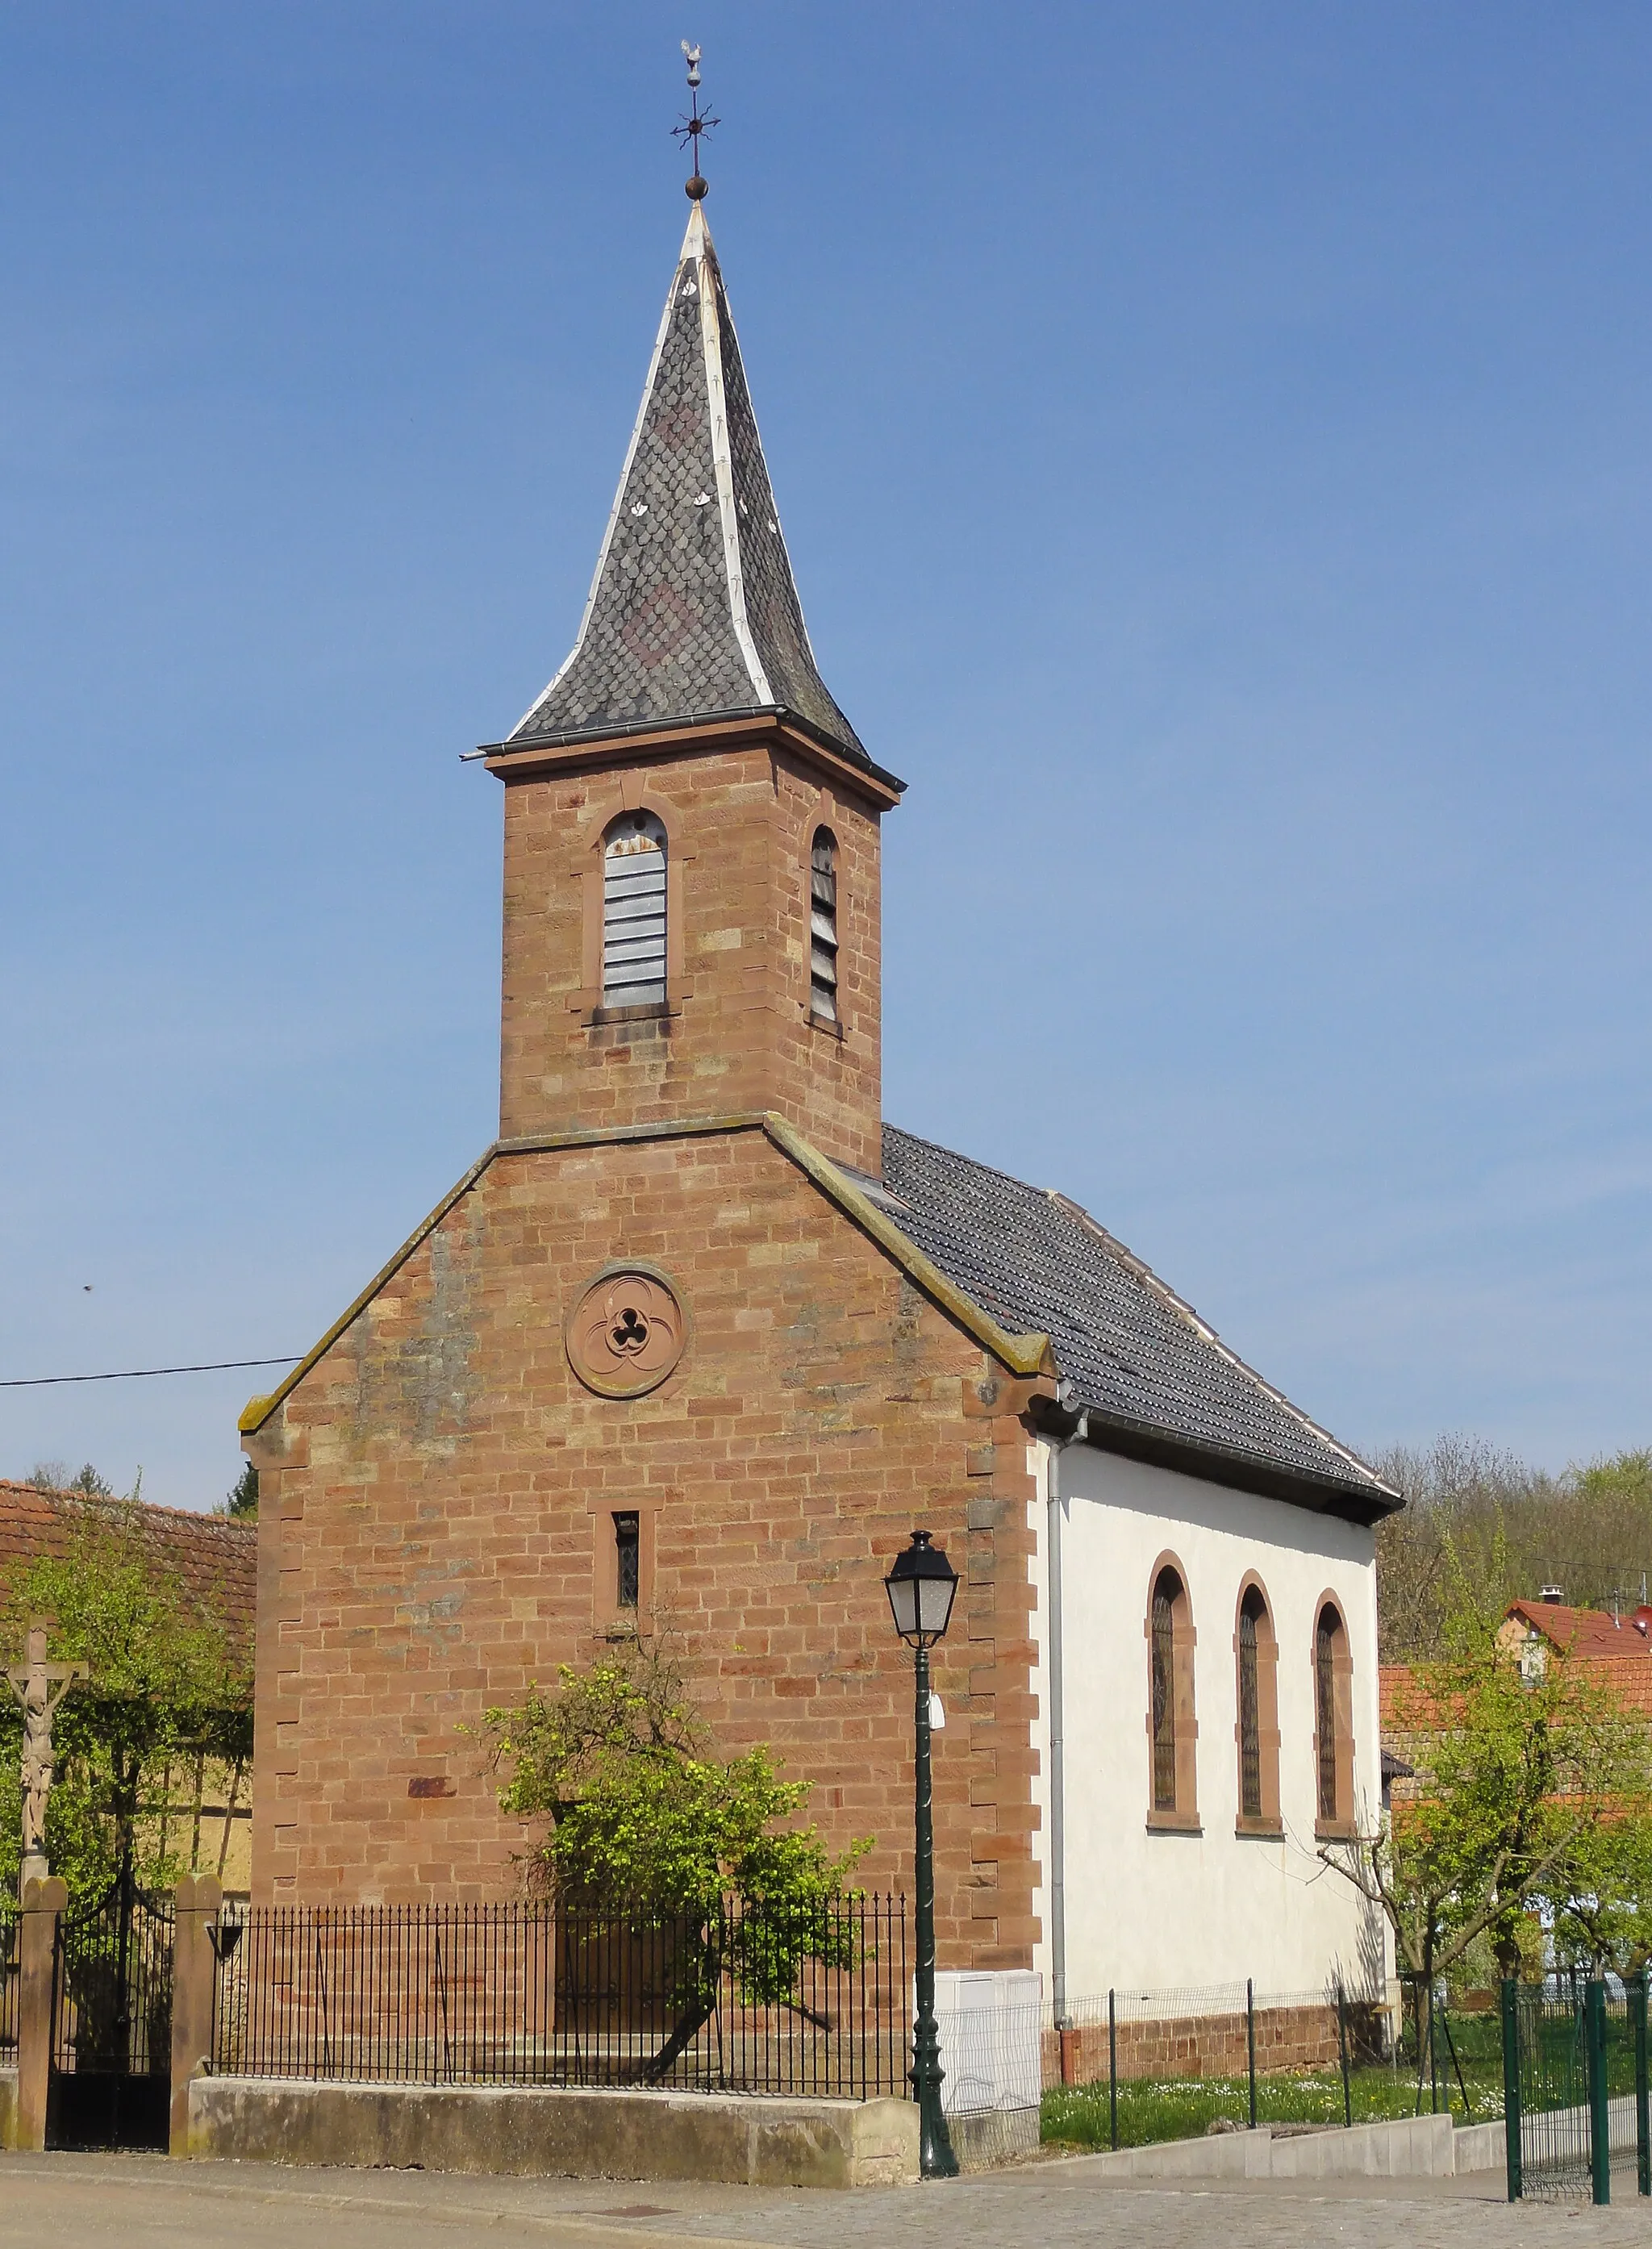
1164	1691
1171	1730
1250	1709
1332	1719
634	913
1256	1720
823	927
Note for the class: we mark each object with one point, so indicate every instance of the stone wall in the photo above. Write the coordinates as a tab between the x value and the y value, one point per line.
1288	2038
437	1522
739	819
541	2131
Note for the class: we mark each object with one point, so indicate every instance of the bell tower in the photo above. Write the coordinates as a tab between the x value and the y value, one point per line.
691	825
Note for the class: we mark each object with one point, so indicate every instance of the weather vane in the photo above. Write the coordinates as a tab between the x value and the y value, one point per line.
694	125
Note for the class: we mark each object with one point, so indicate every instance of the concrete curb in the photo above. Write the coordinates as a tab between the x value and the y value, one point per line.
1413	2147
543	2131
1480	2146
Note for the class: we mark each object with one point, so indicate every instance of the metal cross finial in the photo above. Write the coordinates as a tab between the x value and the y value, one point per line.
694	125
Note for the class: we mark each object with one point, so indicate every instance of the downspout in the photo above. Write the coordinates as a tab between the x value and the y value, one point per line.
1058	1751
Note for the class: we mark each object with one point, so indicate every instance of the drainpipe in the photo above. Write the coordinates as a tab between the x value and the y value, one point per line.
1057	1754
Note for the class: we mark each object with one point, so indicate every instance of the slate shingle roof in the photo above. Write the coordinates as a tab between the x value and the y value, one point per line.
693	612
1140	1360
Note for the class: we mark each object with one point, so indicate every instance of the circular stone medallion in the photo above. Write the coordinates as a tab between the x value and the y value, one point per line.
625	1332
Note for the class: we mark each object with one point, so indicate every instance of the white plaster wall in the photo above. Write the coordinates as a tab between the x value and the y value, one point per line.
1154	1911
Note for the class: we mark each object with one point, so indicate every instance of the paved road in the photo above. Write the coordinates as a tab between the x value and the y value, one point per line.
87	2202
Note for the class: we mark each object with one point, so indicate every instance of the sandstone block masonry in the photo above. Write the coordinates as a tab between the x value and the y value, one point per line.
437	1529
1299	2037
740	812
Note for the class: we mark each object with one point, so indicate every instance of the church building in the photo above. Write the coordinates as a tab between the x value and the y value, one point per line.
702	1338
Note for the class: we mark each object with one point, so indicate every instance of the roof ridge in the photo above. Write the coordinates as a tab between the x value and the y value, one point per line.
973	1162
1342	1463
1202	1326
150	1507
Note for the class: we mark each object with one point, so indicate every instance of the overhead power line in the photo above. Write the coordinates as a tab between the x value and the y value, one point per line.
145	1373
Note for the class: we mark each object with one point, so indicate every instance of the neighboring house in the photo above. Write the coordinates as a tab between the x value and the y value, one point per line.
201	1810
1618	1648
1615	1649
701	1338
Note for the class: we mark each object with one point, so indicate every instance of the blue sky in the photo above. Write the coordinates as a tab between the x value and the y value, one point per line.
1213	445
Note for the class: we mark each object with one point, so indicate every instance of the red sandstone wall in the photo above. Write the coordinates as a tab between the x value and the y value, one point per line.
435	1492
1291	2038
738	1035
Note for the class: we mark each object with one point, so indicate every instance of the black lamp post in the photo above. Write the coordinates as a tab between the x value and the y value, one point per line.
920	1588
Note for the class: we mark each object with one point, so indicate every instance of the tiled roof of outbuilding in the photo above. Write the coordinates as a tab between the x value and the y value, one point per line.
212	1557
1594	1633
693	613
1141	1362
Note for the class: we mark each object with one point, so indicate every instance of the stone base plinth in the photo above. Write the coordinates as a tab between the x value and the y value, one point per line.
557	2132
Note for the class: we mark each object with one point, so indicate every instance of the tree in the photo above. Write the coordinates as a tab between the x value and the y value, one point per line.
1509	1529
166	1681
53	1475
1523	1775
643	1819
1600	1908
241	1500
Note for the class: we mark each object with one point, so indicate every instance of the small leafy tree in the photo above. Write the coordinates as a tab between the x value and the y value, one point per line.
643	1817
1600	1907
53	1475
241	1500
166	1681
1525	1774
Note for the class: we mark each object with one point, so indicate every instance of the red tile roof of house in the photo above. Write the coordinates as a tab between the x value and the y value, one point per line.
1617	1651
1593	1633
213	1559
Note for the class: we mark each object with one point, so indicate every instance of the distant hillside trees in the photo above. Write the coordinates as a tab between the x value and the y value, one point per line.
1507	1529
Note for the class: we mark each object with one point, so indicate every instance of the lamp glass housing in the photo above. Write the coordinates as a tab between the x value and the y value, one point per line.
921	1587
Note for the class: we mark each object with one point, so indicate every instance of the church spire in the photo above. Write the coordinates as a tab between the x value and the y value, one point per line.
693	613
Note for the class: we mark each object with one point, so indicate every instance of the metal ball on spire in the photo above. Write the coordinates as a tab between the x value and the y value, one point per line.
694	125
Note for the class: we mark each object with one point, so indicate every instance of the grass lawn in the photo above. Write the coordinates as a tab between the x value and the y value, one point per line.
1182	2108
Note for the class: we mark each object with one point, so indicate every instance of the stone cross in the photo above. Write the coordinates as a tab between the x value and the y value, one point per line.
39	1687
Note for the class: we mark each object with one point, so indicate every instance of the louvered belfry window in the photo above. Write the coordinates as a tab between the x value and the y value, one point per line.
823	927
634	913
1166	1594
1249	1708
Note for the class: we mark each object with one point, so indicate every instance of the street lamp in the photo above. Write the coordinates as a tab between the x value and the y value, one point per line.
920	1588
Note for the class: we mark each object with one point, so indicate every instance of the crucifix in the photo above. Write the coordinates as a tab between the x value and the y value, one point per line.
39	1687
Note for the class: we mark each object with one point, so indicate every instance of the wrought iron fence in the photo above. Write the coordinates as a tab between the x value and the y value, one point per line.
1213	2033
9	1977
112	2010
111	2021
1451	2052
1576	2095
525	1994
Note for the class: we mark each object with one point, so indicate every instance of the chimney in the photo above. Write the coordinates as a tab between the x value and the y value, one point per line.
1554	1595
